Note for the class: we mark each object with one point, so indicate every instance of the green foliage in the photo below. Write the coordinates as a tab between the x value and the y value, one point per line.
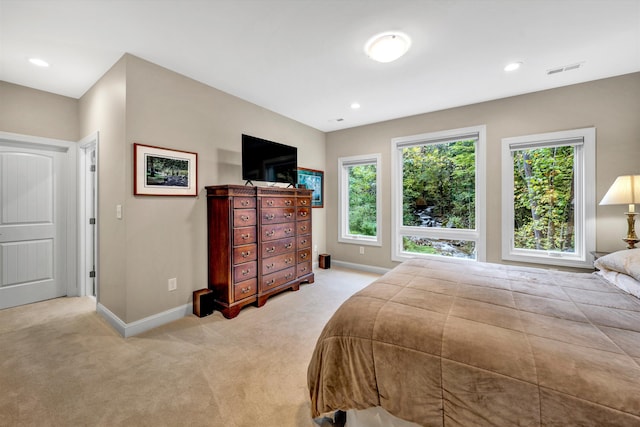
543	199
441	176
362	200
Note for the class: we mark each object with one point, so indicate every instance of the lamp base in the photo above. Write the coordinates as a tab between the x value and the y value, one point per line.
631	238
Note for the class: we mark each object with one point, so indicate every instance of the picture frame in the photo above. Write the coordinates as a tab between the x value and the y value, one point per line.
314	180
159	171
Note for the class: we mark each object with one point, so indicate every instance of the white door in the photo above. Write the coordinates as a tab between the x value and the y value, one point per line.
33	234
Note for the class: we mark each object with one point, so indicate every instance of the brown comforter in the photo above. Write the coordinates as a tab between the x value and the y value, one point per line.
450	344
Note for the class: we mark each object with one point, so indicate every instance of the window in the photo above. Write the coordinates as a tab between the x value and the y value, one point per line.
438	195
548	198
359	186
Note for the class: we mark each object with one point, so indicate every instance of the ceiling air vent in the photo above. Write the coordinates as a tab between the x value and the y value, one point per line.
564	68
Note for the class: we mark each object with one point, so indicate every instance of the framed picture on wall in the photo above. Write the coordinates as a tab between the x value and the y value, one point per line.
161	171
313	180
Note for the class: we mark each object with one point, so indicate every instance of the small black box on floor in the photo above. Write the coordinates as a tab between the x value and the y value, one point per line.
324	261
202	302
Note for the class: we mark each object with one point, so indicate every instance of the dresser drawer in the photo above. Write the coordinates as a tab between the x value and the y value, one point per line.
245	289
242	272
277	215
303	268
279	278
244	217
304	241
304	213
244	235
304	227
245	253
279	262
244	202
278	247
304	255
304	201
278	202
278	231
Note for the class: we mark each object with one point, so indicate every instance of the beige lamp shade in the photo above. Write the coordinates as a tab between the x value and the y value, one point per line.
624	191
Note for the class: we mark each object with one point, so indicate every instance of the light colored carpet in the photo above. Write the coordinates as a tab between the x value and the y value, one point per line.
61	364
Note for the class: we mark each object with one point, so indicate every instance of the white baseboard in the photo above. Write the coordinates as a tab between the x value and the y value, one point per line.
362	267
143	325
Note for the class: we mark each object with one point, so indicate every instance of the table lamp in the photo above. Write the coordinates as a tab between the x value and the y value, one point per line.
625	191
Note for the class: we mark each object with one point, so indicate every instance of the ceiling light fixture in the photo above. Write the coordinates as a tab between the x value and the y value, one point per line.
387	46
355	106
39	62
513	66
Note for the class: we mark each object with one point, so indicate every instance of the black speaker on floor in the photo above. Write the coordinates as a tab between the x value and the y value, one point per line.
324	261
202	302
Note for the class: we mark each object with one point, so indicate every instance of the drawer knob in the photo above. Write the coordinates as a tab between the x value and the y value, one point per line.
288	276
303	228
288	214
302	242
288	231
303	269
288	260
303	213
270	282
245	290
245	272
271	249
270	233
288	245
270	266
269	202
246	254
244	203
303	202
246	236
269	216
245	218
287	203
303	255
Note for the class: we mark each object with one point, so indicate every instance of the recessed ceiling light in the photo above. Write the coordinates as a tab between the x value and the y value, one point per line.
513	66
388	46
355	106
39	62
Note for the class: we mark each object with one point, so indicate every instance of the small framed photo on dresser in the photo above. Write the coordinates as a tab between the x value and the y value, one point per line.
313	179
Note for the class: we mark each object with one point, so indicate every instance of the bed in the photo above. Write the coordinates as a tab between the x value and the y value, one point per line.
438	343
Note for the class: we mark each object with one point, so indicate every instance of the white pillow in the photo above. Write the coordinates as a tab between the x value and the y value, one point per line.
626	261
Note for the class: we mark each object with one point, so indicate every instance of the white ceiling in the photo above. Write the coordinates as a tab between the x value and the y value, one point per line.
304	59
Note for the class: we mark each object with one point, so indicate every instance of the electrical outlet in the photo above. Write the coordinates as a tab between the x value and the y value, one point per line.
361	250
173	284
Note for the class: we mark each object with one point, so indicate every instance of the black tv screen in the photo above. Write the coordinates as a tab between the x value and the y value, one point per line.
268	161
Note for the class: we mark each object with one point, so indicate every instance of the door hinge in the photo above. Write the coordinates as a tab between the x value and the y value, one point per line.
92	168
92	274
92	221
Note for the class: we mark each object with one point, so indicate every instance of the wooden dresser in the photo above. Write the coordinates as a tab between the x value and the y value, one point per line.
259	243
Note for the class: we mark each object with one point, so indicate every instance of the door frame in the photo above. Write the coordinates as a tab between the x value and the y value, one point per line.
85	146
70	162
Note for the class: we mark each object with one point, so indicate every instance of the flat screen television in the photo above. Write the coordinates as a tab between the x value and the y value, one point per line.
268	161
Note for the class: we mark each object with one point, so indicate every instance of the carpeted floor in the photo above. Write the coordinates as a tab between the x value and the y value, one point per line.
61	364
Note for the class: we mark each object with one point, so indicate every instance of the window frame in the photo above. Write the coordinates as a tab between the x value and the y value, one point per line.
343	199
478	235
584	191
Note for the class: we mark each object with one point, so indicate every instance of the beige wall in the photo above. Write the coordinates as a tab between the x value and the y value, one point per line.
165	237
33	112
611	105
102	109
